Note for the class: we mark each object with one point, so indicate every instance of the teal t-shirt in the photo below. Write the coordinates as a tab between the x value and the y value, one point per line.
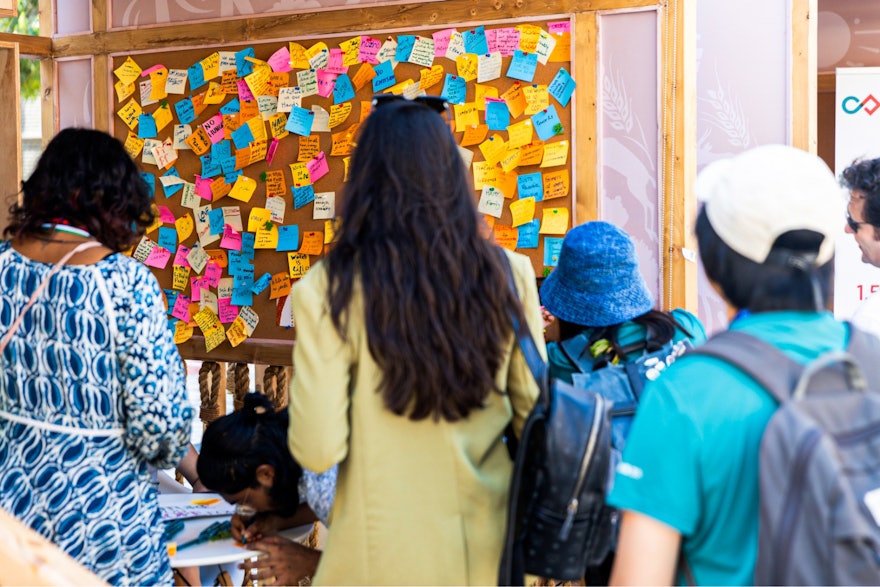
691	457
630	332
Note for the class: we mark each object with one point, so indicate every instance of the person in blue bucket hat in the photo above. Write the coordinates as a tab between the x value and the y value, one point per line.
606	314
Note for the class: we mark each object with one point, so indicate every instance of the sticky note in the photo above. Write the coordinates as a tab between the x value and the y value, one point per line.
537	98
384	77
302	195
522	210
288	238
528	235
562	86
300	121
520	133
547	123
505	236
491	201
475	41
325	206
298	264
243	188
313	243
552	248
523	66
279	286
497	115
466	66
556	184
266	237
454	89
343	90
554	221
531	185
488	67
555	154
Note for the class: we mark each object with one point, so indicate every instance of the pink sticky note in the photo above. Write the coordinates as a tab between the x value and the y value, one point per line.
441	41
227	312
214	127
334	62
270	151
244	92
150	70
506	41
280	60
563	26
180	257
491	41
318	167
158	258
166	215
326	83
203	187
196	285
181	307
213	271
369	49
231	239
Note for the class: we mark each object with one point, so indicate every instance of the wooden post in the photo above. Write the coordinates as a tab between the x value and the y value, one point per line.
10	129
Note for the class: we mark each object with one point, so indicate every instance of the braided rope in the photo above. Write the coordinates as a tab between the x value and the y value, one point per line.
209	391
275	385
242	384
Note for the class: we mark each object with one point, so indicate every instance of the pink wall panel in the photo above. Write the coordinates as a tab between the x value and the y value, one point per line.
75	103
628	95
73	16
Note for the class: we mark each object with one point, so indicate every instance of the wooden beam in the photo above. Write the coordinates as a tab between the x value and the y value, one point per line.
29	45
680	159
10	126
826	82
584	60
318	24
253	350
804	35
47	76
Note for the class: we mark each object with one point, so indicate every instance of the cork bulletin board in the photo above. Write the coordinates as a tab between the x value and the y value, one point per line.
246	150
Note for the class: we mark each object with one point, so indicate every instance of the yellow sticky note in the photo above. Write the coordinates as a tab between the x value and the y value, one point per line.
510	161
400	87
180	277
258	129
298	57
555	221
300	174
129	113
467	64
341	145
555	154
330	230
237	332
313	243
163	116
520	134
315	51
266	236
128	72
182	332
298	264
474	135
211	328
133	145
277	122
529	34
430	77
259	218
493	149
258	80
123	90
216	94
184	226
339	113
483	91
483	170
537	98
158	78
243	188
523	211
350	51
211	65
556	184
466	115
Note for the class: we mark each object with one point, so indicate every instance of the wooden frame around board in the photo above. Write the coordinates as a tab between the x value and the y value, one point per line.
270	343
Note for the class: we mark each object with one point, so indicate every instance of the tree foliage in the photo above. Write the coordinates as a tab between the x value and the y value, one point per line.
26	23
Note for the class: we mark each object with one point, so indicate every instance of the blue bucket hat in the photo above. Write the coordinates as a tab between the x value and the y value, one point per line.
597	281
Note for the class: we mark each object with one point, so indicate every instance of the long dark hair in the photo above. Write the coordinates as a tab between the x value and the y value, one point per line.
84	178
234	445
435	293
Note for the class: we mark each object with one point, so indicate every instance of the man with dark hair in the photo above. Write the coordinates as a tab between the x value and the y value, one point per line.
862	179
688	481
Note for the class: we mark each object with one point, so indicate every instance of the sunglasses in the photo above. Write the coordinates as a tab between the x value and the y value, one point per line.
435	103
853	225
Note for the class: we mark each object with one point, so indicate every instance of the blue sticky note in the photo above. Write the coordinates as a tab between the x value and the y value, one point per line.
238	263
196	76
475	41
261	284
242	136
243	66
172	322
547	123
552	247
384	78
222	149
497	115
231	107
241	291
168	239
170	190
288	238
343	91
247	244
215	220
528	234
523	66
147	127
232	176
150	180
170	297
454	89
300	121
210	166
531	185
302	196
562	87
227	164
186	112
405	45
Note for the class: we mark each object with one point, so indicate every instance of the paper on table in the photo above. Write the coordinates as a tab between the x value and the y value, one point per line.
185	506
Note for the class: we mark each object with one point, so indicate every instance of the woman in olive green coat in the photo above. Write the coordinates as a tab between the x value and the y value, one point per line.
406	370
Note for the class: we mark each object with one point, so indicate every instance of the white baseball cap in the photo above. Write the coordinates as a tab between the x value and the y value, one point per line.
754	197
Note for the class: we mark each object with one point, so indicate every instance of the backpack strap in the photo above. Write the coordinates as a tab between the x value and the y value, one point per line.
865	348
760	360
577	350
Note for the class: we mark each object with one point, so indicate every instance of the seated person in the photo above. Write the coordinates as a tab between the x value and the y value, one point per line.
244	458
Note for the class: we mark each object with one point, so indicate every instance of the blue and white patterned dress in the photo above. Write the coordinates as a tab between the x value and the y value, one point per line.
93	353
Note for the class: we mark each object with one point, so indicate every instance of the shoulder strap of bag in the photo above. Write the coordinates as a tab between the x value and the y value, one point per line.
865	348
63	261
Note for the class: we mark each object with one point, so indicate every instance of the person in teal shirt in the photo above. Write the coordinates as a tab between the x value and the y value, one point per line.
688	481
605	312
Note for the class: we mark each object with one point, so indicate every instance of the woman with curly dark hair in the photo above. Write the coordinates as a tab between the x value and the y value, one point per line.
91	386
405	371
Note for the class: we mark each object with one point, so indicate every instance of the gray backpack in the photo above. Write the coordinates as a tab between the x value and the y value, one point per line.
819	461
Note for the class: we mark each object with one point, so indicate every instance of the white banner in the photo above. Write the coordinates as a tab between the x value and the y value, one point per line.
857	136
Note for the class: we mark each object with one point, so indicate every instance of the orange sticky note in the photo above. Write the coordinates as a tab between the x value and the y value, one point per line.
474	135
313	243
364	74
279	286
505	236
556	184
309	147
